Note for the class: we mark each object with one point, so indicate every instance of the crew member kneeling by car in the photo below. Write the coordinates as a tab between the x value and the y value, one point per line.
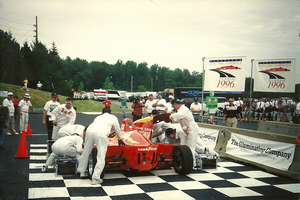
230	113
97	133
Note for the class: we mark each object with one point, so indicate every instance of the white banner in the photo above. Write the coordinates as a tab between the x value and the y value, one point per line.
277	75
208	137
277	155
225	74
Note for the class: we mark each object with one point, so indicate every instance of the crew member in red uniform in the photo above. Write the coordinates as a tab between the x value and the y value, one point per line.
106	103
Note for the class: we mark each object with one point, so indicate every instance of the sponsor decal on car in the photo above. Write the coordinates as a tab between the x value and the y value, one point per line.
148	149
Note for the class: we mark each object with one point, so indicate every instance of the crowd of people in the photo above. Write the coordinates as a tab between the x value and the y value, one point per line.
272	110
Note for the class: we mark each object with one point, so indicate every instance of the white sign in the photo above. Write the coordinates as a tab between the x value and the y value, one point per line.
225	74
208	137
277	75
277	155
3	93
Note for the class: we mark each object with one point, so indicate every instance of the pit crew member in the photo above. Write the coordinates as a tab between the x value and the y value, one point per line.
69	129
62	115
97	133
169	105
48	108
189	126
68	145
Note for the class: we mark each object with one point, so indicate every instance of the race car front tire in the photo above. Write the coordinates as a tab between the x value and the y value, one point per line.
92	162
182	159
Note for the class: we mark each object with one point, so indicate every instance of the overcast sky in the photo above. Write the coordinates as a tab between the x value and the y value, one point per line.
174	33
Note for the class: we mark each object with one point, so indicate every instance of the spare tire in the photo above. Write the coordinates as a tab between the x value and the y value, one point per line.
182	159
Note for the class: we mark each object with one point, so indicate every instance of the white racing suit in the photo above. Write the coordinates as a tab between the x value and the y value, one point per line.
63	116
189	126
69	145
97	133
70	129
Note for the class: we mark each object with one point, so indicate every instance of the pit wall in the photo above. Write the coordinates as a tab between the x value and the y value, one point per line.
279	127
224	136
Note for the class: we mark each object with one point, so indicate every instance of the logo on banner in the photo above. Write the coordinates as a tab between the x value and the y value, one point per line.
275	80
226	79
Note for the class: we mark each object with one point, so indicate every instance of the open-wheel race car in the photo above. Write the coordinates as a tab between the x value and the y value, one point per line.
139	153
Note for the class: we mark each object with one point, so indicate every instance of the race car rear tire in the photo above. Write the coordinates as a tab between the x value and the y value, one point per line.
182	159
92	162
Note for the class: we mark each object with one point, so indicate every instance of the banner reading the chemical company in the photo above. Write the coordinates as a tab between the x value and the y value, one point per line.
277	75
225	74
274	154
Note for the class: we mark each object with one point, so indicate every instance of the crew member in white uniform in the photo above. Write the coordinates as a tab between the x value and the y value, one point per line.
68	145
160	104
189	126
24	108
169	105
177	133
97	133
48	108
10	124
69	129
62	115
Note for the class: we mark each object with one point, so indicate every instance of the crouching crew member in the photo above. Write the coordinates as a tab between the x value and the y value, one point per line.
69	145
69	129
230	113
97	133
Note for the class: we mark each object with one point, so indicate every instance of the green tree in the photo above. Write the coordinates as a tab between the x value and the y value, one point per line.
108	85
141	88
81	86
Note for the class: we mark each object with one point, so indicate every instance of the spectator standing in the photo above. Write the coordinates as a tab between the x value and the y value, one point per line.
124	106
24	109
25	84
62	115
297	110
137	112
16	103
10	125
259	108
253	108
96	133
48	108
230	113
39	87
196	109
106	103
3	119
149	105
169	105
160	104
239	104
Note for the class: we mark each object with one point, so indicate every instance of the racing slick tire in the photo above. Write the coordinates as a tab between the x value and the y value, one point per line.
182	159
92	162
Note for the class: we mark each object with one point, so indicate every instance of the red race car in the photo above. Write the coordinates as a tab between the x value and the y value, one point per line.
139	153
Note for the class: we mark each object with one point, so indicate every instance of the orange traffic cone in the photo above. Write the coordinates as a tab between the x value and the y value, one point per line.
28	132
22	150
